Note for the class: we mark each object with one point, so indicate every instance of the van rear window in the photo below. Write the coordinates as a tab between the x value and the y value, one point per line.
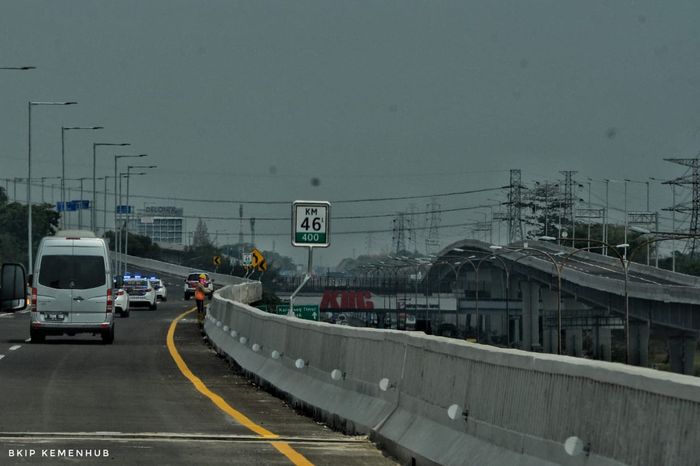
68	271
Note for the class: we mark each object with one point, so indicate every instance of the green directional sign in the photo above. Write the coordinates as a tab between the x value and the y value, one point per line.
302	311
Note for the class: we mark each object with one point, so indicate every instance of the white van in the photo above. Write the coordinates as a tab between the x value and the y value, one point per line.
72	287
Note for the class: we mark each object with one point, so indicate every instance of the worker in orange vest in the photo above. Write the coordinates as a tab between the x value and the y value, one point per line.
200	293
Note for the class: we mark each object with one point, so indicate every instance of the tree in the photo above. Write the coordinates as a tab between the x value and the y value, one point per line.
200	238
545	203
13	218
139	245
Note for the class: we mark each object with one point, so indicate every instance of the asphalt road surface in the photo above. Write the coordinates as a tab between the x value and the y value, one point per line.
73	400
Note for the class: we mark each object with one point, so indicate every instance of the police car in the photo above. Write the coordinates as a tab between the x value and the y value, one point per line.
141	293
159	286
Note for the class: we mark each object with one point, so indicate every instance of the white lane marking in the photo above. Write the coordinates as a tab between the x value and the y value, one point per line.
6	315
2	356
26	311
599	266
630	274
15	347
28	340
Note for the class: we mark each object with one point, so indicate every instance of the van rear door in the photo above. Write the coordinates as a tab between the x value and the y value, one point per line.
54	295
89	291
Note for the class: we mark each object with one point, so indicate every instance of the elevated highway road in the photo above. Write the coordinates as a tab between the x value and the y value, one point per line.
597	292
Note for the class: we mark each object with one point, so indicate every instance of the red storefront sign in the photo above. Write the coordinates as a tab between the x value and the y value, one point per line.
360	300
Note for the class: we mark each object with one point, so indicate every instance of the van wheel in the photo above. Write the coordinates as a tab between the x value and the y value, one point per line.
126	314
153	306
108	336
187	297
164	299
37	336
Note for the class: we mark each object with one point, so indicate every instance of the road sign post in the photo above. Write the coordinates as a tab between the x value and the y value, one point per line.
310	229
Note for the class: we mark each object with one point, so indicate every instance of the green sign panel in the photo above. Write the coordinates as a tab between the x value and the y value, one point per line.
310	238
302	311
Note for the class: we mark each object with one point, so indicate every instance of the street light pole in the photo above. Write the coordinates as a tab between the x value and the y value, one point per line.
117	202
93	221
63	160
128	215
605	216
30	104
80	206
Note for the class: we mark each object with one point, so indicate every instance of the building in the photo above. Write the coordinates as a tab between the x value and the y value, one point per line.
162	224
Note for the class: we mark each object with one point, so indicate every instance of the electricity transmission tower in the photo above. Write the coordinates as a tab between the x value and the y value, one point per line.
240	225
515	202
569	197
401	232
432	239
693	180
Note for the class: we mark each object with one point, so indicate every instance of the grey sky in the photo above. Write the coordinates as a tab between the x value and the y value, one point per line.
250	100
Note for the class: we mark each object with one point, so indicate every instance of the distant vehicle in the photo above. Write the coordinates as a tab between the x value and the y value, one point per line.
191	281
141	293
121	302
159	286
72	287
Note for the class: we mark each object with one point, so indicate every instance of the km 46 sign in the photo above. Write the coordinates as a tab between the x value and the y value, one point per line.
311	221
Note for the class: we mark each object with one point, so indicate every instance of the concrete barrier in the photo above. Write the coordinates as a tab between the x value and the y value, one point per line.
432	400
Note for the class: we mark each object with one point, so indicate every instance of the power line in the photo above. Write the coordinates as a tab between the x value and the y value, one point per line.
287	202
361	232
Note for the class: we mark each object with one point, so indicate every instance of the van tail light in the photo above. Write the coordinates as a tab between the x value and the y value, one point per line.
109	300
34	299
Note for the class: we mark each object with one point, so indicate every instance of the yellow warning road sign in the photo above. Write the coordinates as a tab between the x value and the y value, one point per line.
257	257
216	260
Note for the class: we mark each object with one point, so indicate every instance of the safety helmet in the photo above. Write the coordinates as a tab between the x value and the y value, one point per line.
202	276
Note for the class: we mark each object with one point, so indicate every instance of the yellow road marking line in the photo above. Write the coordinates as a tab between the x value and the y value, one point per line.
293	455
283	447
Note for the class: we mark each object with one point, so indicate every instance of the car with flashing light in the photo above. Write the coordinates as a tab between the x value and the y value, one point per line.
71	287
159	286
191	282
121	301
140	291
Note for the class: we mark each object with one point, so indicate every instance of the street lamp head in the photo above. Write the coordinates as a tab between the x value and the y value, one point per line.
641	230
52	103
95	144
623	245
495	246
81	127
547	238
